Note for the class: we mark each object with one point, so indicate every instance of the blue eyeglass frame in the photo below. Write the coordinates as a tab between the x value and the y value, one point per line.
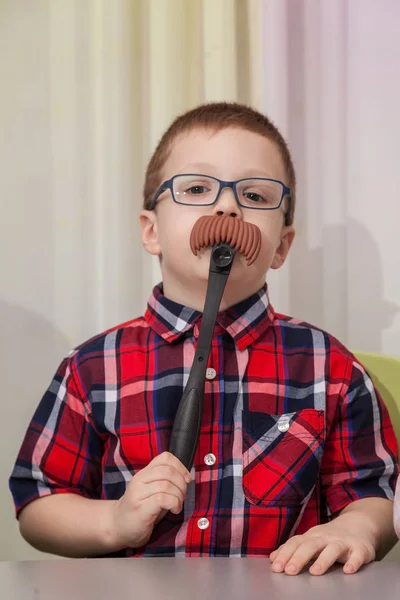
169	185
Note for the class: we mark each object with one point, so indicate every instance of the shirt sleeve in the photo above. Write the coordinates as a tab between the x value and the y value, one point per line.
360	457
61	451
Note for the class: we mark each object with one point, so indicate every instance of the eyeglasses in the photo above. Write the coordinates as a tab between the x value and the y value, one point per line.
202	190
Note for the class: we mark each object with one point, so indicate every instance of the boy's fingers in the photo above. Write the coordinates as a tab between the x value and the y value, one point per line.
274	554
168	459
356	559
293	559
329	555
162	487
284	553
162	501
164	473
293	556
303	555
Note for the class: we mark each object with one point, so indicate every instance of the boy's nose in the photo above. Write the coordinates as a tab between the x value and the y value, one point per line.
226	204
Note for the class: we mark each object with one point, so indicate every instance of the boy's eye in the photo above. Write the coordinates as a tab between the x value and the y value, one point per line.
197	189
254	197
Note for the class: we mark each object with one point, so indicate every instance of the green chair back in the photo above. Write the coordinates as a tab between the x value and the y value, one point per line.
385	373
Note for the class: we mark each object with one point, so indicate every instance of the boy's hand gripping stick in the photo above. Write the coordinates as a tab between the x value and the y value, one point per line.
226	235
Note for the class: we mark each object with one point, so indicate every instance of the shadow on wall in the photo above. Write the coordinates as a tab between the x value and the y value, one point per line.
339	286
30	350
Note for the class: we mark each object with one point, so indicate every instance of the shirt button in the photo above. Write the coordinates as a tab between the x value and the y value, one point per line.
210	459
211	374
283	424
203	523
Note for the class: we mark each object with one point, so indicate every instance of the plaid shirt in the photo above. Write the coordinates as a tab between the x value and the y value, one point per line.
293	429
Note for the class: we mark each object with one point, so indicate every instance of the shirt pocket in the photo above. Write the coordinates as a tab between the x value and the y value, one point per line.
281	456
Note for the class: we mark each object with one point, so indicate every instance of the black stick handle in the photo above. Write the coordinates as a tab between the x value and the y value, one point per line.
186	428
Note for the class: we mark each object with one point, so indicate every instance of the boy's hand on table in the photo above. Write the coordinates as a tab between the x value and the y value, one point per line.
156	489
327	544
360	532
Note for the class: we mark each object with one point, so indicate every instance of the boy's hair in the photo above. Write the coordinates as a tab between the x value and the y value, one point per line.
218	116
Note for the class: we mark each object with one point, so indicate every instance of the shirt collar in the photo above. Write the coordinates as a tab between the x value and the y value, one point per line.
244	322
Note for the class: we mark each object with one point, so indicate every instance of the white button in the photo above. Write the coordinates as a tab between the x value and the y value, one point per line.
211	373
210	459
203	523
284	424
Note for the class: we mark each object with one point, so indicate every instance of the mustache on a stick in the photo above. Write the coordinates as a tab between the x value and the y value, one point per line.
212	230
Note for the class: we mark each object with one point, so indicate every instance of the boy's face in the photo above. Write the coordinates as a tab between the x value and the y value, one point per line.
229	154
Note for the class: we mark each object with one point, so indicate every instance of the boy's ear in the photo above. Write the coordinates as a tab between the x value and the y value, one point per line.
148	225
287	237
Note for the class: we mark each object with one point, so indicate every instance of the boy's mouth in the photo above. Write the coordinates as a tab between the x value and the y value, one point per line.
211	230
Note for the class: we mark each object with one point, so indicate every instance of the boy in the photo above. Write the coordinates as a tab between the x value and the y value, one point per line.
296	457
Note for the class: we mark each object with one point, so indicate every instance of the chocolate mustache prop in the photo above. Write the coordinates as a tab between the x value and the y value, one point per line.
226	235
244	237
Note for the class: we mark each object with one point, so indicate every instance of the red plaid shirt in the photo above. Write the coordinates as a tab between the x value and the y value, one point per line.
293	429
